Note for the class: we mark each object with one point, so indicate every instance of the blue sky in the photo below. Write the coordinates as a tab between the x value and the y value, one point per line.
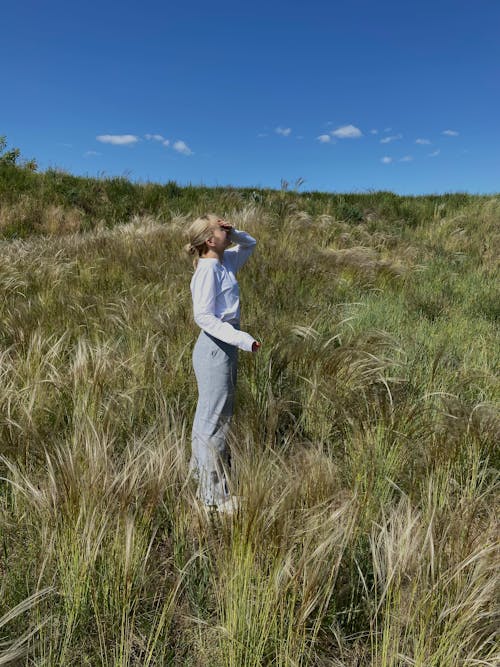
348	95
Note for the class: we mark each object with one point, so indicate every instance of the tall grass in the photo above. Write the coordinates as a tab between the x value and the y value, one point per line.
364	442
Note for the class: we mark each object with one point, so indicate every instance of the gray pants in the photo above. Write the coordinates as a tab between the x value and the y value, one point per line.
215	366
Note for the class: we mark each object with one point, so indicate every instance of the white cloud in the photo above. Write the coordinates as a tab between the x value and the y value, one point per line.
407	158
435	153
261	135
118	139
450	133
386	160
182	147
158	137
423	142
347	132
394	137
324	138
373	131
387	129
90	153
284	131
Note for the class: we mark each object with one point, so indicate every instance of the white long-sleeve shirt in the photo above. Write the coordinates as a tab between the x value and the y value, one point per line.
216	294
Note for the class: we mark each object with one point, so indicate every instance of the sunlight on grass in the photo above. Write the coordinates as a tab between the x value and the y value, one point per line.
364	444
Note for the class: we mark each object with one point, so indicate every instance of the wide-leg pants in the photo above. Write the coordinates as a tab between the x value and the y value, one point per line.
215	366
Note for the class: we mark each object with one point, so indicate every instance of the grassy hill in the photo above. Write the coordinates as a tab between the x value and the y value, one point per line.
365	440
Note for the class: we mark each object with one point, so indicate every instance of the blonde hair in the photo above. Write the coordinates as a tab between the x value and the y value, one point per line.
198	234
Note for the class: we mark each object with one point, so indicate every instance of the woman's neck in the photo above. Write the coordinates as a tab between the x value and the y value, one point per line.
213	254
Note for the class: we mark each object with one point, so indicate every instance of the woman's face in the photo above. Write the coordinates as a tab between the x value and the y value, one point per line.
221	235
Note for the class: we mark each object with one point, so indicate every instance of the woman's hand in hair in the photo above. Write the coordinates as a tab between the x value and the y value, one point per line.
256	346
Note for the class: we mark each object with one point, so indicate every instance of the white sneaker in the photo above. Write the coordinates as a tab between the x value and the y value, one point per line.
228	506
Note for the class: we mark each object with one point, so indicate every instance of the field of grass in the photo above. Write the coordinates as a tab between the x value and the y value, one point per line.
365	440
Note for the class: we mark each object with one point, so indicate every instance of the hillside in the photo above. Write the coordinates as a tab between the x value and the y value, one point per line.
365	440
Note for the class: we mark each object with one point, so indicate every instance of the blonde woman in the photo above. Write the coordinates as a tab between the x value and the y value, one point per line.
216	307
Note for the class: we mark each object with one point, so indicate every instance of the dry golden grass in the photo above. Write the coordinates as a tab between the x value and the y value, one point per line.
364	445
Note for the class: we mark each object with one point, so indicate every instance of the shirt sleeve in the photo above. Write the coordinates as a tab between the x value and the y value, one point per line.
234	258
203	289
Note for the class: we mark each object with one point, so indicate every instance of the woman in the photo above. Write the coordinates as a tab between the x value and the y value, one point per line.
216	307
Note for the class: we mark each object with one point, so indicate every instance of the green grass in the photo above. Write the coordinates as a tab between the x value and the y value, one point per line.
364	441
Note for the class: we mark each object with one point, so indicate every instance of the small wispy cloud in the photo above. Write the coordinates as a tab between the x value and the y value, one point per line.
434	153
373	131
450	133
261	135
284	131
118	139
157	137
347	132
423	142
386	160
393	137
91	153
324	138
182	147
387	129
407	158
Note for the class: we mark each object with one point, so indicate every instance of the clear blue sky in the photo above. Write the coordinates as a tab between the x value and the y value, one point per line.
350	95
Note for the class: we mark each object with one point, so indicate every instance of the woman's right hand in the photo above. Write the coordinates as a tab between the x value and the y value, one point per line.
225	225
256	346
